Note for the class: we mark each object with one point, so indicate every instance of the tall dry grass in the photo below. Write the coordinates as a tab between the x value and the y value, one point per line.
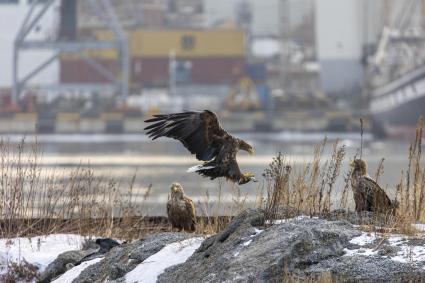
411	188
37	200
307	191
214	215
312	189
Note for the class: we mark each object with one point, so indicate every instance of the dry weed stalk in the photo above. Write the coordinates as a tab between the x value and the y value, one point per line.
309	191
411	189
36	200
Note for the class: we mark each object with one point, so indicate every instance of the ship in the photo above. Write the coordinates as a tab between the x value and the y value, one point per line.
396	77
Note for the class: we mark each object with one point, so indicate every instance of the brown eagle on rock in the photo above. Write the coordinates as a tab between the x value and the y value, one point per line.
368	195
180	209
202	135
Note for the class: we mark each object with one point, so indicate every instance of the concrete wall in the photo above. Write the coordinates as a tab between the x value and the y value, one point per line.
11	18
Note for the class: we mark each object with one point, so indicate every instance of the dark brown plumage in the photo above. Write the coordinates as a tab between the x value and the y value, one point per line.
202	135
368	195
181	209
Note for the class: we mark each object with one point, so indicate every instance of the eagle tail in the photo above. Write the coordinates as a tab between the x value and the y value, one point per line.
199	168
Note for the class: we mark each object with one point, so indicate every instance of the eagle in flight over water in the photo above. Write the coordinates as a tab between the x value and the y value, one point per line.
200	132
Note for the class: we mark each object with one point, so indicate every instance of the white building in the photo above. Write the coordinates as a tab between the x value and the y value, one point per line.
344	27
12	14
339	41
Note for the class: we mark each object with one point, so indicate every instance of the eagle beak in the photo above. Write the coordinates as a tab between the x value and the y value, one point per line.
352	163
251	151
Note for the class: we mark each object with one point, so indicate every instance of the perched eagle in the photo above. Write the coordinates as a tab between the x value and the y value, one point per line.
181	209
368	195
201	134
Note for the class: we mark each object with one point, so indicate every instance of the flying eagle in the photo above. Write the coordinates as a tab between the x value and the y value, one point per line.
368	195
202	135
181	209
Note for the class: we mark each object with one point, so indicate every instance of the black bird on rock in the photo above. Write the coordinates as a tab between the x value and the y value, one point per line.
200	132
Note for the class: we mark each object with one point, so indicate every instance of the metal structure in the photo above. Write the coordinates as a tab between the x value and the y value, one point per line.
118	82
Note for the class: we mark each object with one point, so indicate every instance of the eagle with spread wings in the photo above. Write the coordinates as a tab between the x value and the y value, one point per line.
368	195
201	133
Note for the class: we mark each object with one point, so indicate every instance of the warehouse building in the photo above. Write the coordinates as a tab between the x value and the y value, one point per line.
195	56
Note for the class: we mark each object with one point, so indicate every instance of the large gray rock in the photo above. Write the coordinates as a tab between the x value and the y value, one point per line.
124	258
360	268
62	262
251	250
301	248
241	253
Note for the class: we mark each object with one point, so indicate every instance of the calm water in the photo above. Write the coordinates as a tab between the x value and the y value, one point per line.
164	161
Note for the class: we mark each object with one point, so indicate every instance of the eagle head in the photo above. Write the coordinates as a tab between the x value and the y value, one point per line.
246	177
177	190
246	146
359	166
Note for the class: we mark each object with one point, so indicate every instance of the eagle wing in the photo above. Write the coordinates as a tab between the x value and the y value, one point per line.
199	132
190	212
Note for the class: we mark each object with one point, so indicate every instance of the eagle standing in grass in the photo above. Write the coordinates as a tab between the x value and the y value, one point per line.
201	134
368	195
181	209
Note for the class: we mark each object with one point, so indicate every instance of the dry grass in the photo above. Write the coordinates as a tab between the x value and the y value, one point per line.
309	191
33	203
411	188
20	272
319	278
215	215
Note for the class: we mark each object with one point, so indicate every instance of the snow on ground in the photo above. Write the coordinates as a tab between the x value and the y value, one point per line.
172	254
361	251
407	253
248	242
410	254
75	271
363	239
39	251
286	220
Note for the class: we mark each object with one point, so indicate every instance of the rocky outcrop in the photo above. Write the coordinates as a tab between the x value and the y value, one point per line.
124	258
250	249
66	261
246	251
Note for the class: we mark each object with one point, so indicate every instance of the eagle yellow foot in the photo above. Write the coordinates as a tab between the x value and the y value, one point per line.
246	177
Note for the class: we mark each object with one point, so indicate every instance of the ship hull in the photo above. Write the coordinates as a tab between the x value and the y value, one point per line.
395	108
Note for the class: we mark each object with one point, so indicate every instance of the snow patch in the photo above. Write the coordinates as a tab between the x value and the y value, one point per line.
363	239
286	220
410	254
247	243
365	252
396	240
75	271
407	253
172	254
39	251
